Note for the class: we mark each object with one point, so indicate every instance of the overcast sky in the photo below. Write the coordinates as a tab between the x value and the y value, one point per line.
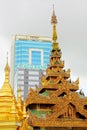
33	17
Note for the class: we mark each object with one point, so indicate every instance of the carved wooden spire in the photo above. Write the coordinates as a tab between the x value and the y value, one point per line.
54	37
54	22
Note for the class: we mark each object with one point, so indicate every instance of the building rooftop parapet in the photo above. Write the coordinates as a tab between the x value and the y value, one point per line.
32	37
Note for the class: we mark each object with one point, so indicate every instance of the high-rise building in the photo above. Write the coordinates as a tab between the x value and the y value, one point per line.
29	59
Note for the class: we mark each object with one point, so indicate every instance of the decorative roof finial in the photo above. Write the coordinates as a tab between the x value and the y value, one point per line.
53	10
54	22
7	57
7	70
54	19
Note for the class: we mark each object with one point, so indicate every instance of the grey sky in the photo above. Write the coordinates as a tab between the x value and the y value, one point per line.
33	17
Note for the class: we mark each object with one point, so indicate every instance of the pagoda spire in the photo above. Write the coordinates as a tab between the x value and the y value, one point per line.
7	70
54	22
19	99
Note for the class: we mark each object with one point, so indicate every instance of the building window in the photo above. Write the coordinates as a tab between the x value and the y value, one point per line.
21	72
20	77
33	83
33	78
33	73
36	57
20	82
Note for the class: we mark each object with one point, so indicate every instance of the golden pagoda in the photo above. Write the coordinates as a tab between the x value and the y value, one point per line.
11	111
56	104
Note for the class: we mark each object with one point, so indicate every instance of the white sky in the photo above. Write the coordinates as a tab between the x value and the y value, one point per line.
33	17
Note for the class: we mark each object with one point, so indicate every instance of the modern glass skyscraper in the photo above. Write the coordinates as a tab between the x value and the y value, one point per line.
29	58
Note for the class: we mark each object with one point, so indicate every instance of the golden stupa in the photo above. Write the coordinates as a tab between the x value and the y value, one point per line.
12	112
56	104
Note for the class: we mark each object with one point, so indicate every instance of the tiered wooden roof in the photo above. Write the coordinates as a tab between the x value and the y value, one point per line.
56	103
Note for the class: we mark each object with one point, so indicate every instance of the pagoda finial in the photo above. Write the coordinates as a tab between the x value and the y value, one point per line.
19	99
53	10
7	70
54	22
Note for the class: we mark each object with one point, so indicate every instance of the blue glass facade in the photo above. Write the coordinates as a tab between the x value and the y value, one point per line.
36	58
33	53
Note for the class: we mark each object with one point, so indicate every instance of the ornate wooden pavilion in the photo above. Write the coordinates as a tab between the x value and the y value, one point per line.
56	104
